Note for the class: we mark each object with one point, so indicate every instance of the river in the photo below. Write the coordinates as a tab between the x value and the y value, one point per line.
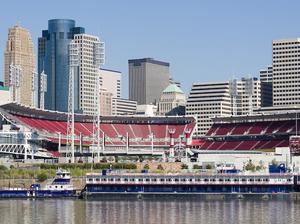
56	211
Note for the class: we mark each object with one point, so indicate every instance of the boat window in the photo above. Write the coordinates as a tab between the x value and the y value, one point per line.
205	180
191	180
169	179
118	179
251	180
111	179
162	180
258	180
61	186
244	180
213	180
132	179
176	180
221	180
154	179
141	180
147	180
90	179
97	179
236	180
198	179
182	180
227	180
125	179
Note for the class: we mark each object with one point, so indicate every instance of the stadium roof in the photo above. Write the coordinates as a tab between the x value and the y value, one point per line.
21	110
257	117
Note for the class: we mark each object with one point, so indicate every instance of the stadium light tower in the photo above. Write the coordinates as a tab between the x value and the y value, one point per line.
43	89
98	61
73	68
34	88
15	75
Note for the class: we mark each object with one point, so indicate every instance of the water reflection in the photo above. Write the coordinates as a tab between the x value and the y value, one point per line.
169	212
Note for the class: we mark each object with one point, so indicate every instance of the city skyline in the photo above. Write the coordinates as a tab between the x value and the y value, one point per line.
204	36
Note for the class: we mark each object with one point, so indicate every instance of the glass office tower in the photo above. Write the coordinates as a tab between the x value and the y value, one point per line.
53	59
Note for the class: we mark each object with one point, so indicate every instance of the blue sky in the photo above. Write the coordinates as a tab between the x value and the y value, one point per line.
202	40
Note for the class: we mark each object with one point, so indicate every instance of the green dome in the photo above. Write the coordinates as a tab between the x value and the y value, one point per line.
173	88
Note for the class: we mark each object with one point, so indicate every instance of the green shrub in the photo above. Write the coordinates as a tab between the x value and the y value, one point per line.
3	168
197	167
208	167
184	166
41	177
146	167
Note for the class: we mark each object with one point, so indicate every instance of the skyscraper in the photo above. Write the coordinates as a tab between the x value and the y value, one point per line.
88	46
266	81
19	52
147	80
286	71
111	81
53	60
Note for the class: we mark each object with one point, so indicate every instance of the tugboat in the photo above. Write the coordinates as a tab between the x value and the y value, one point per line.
60	186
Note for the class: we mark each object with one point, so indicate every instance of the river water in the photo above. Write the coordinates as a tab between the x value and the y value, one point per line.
56	211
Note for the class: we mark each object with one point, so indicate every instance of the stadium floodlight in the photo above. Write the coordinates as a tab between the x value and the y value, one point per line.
43	89
98	60
34	88
73	67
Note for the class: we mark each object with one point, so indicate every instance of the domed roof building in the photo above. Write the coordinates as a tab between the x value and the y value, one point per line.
171	100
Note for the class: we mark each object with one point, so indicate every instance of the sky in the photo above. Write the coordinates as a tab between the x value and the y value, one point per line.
202	40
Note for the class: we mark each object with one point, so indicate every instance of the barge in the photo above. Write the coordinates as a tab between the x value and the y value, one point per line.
187	184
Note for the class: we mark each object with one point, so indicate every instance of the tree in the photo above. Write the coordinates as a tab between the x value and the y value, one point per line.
160	167
250	166
146	167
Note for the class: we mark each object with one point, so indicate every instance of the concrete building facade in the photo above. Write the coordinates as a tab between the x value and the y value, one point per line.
111	80
215	99
19	51
88	72
207	100
171	98
105	102
147	79
266	82
123	106
286	72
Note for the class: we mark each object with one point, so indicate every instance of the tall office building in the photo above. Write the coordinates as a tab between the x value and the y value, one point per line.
123	106
266	82
147	80
88	46
53	60
19	52
286	73
207	100
245	95
111	81
211	99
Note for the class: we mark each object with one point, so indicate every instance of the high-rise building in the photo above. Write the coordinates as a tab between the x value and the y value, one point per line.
111	80
211	99
53	60
207	100
147	79
123	106
245	95
266	82
105	102
172	97
19	52
286	73
88	71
